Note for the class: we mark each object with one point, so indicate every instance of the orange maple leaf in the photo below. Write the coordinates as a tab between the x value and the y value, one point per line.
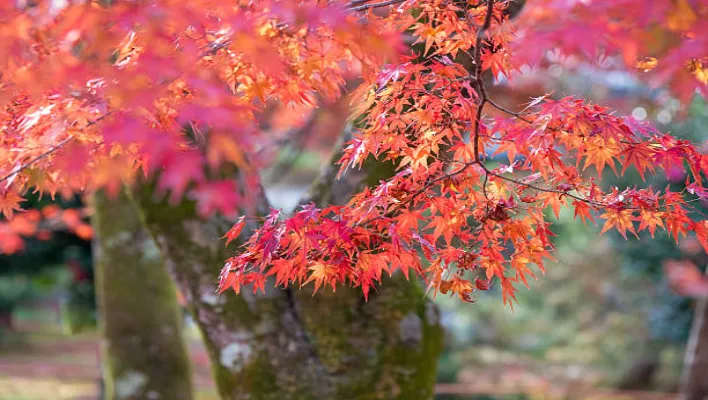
619	219
651	220
9	203
582	210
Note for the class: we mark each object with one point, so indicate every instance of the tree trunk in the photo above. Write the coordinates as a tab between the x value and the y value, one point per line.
642	372
287	344
694	382
143	351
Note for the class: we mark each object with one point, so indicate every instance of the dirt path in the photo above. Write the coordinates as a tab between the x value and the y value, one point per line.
52	366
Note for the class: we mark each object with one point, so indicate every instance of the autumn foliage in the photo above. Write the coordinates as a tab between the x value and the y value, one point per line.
98	94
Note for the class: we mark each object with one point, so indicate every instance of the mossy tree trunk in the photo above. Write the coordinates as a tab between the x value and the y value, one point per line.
694	385
287	344
144	356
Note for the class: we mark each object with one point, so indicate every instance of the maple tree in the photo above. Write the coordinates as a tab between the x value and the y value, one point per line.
465	216
101	94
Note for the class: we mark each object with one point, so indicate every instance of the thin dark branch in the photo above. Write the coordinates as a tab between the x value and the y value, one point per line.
36	159
353	3
301	329
483	98
48	152
480	33
501	108
214	47
547	190
369	6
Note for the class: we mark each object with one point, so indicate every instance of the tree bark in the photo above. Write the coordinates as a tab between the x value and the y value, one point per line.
144	356
642	372
286	344
694	382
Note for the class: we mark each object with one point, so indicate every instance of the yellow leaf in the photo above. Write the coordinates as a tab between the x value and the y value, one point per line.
646	64
321	273
682	17
701	73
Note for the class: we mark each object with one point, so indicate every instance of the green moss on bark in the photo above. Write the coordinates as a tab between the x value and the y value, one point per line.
144	355
287	344
387	348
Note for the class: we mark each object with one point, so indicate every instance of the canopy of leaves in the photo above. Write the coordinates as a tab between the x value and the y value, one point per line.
179	90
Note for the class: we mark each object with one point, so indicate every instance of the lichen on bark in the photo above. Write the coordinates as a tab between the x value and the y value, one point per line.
287	344
144	356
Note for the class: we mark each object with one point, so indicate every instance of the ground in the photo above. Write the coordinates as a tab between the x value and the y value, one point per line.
40	362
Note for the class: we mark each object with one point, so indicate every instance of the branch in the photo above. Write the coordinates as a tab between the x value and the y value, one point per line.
327	188
48	152
478	78
519	115
480	34
36	159
354	7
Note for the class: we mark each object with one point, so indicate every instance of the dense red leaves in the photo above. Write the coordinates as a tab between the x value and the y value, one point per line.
467	220
92	90
181	90
665	39
471	224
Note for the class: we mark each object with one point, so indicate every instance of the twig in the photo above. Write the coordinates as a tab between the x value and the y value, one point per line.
483	97
357	2
36	159
48	152
374	5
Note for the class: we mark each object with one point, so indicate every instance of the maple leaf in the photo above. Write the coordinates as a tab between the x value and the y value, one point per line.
601	153
405	261
321	273
620	219
481	284
682	17
409	220
582	210
227	280
554	200
493	266
701	229
179	172
650	220
677	223
640	155
9	202
497	61
508	292
283	270
235	231
461	287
